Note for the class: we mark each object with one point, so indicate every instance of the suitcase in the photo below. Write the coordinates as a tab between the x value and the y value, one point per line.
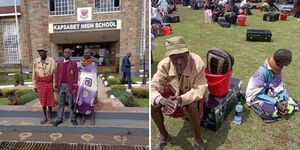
171	19
156	29
216	109
271	17
259	35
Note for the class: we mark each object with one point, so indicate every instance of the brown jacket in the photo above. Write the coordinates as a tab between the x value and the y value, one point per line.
192	85
43	70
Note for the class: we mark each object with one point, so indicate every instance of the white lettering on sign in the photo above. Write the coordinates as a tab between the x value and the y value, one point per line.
85	26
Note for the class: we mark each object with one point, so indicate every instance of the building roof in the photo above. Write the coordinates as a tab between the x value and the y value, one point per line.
9	9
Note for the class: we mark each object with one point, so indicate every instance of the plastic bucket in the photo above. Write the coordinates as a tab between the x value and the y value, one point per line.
165	30
283	16
241	20
218	85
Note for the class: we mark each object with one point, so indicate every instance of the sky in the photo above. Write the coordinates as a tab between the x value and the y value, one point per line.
8	2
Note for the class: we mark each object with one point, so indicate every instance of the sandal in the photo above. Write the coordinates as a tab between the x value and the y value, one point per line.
44	121
51	121
161	143
199	145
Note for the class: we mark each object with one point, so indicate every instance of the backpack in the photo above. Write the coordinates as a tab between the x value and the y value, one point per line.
223	22
156	29
231	17
219	61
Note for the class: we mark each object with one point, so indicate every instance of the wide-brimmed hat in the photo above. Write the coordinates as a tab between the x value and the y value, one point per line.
176	45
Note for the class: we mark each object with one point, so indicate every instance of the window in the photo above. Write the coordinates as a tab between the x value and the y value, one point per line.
10	42
107	5
61	7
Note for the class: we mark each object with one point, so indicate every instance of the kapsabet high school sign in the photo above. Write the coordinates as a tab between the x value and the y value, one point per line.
85	26
84	14
98	25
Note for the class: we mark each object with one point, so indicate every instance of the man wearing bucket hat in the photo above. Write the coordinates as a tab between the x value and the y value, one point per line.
178	88
43	82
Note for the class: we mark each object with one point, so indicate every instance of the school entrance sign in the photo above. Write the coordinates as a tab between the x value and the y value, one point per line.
84	26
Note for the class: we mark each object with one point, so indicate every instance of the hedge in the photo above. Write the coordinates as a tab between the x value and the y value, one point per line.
17	77
7	92
126	98
140	92
28	97
106	72
112	81
118	87
20	92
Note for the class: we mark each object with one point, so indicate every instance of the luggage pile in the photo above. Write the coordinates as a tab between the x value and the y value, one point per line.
224	91
161	28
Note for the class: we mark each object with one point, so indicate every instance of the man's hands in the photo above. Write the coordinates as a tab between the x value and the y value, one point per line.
281	106
170	105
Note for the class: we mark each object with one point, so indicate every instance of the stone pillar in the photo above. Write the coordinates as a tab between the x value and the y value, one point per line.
36	15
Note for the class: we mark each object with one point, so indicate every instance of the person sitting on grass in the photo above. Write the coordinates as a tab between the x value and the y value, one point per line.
177	89
266	93
246	6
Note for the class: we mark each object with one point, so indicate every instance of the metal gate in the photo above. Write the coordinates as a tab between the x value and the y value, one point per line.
14	145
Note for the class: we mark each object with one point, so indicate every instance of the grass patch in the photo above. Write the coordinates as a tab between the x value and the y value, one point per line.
142	102
253	133
4	101
7	82
12	82
133	78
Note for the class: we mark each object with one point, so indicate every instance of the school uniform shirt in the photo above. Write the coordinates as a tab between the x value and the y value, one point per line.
191	86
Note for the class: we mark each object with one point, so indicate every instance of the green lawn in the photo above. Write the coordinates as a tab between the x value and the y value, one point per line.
4	101
143	102
253	133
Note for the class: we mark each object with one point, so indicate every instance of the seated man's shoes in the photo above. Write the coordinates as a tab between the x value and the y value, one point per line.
57	122
161	143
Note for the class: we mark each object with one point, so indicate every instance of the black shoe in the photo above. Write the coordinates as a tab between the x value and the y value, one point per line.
74	122
57	122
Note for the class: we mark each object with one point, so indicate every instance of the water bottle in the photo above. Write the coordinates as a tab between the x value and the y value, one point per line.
238	113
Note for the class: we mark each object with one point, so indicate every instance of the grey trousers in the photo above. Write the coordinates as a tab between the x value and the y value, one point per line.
65	94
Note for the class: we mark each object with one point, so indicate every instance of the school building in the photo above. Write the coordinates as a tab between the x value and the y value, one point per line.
111	28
